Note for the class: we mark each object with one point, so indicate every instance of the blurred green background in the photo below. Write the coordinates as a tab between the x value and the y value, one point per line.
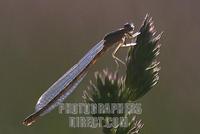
41	39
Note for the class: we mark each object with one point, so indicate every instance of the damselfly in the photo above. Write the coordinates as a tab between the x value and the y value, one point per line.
64	86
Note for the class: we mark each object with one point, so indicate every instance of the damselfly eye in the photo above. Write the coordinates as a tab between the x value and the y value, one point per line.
129	27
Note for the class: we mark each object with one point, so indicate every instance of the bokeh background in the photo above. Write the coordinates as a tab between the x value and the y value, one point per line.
41	39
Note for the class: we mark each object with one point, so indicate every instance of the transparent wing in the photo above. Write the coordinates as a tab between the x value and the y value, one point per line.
64	96
67	79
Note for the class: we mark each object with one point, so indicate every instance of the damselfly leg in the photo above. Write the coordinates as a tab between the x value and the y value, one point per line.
123	44
117	60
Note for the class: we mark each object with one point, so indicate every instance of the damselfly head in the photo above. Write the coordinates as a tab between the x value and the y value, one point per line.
129	27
